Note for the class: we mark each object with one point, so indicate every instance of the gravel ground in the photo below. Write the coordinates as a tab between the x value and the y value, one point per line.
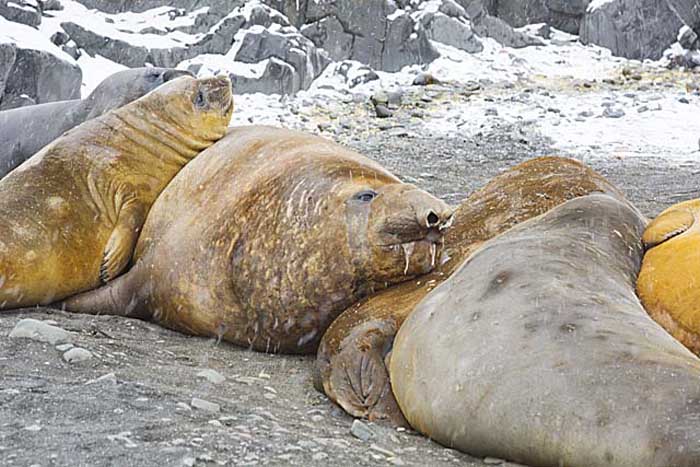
267	413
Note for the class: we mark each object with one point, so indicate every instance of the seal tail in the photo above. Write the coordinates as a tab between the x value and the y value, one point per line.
121	297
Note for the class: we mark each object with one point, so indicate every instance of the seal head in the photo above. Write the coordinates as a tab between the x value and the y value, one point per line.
668	281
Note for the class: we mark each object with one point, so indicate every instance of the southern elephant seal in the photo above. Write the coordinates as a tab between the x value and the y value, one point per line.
350	366
669	282
24	131
71	213
538	351
269	234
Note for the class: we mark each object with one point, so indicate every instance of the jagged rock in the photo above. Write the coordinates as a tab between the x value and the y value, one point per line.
688	39
405	44
688	11
35	75
8	52
637	29
51	5
486	25
329	34
451	30
21	11
353	73
60	38
290	49
137	6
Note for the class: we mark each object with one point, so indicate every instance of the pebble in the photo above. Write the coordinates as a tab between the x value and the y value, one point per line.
642	109
396	461
64	347
319	456
205	405
493	461
424	79
684	100
110	378
381	450
77	355
189	461
360	430
382	111
212	376
491	111
40	331
609	112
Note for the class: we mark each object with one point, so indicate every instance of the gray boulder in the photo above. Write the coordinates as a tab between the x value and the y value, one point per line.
137	6
688	11
688	39
294	60
406	44
637	29
21	11
8	52
37	77
486	25
452	30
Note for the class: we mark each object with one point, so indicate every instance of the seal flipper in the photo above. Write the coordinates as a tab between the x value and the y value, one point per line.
121	297
121	243
666	226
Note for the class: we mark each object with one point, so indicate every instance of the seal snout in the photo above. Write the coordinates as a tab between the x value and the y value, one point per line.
438	218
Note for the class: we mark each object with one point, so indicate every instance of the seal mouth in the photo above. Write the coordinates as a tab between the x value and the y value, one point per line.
422	252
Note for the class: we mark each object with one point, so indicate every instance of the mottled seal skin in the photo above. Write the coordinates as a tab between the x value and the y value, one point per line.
269	234
669	282
26	130
538	351
350	366
71	214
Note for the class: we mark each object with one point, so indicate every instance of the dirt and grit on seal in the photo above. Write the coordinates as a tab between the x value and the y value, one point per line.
267	236
141	403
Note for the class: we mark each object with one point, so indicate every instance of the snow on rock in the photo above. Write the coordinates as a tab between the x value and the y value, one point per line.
32	69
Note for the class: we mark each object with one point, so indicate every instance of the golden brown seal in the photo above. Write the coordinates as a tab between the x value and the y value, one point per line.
669	282
350	366
269	234
71	213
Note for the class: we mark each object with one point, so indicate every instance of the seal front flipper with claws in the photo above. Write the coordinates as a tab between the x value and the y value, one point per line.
365	331
71	213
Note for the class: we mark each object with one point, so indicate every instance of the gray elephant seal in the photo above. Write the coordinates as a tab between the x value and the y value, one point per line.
26	130
538	351
264	238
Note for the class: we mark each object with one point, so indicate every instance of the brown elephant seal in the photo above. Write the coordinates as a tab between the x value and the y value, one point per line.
26	130
538	351
269	234
669	284
350	365
71	213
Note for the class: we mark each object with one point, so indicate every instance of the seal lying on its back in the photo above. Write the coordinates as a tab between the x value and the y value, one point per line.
24	131
350	366
538	351
669	282
71	214
269	234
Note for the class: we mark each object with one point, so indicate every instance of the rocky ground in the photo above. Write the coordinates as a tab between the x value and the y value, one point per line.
142	399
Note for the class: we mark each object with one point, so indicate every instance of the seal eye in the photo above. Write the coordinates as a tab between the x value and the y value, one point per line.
365	196
200	101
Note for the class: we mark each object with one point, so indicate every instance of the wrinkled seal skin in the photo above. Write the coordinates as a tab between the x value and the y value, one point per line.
265	237
26	130
71	214
538	351
350	366
669	282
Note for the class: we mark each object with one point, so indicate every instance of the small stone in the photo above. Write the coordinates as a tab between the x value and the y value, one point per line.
493	461
109	378
380	97
64	347
34	427
77	355
426	98
205	405
424	79
212	376
40	331
317	418
642	109
382	111
183	406
396	461
361	431
491	111
381	450
189	461
684	100
585	114
216	423
319	456
609	112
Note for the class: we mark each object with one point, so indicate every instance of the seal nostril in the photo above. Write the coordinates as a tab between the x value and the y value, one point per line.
433	219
